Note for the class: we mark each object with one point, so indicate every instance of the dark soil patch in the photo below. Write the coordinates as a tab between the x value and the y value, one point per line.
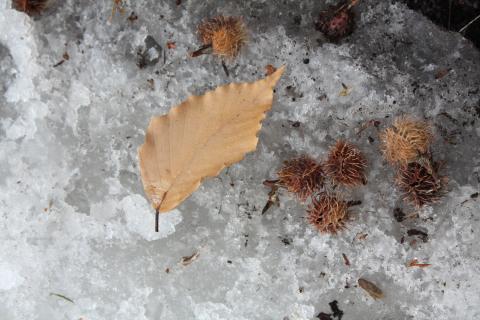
451	14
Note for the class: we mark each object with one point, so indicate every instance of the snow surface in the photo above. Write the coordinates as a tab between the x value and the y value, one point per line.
74	220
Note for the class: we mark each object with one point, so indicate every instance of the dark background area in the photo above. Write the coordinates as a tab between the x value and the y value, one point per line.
453	15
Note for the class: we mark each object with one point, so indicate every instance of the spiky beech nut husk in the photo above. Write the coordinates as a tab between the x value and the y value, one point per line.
406	140
30	7
226	35
336	22
327	213
301	176
420	182
346	164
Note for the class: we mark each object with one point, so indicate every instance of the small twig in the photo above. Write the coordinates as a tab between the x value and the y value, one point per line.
189	259
200	51
59	63
272	199
61	296
347	6
225	68
270	183
415	263
157	211
352	203
468	24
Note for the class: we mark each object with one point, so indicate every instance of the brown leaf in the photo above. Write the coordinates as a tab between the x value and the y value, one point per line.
200	137
171	45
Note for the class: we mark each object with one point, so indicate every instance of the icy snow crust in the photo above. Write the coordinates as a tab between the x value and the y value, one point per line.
74	219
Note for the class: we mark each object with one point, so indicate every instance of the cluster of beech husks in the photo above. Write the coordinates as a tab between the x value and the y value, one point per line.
406	146
309	180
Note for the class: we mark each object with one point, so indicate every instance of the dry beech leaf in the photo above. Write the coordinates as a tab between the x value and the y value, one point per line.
200	137
371	289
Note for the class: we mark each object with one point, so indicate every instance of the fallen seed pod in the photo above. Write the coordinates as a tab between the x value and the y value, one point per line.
372	289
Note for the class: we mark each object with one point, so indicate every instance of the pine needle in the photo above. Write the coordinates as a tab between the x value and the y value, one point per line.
61	296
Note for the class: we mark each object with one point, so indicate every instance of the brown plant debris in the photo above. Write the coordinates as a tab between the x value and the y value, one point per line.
370	288
30	7
421	234
324	316
117	6
441	73
337	22
345	259
225	35
406	140
415	263
272	196
345	90
65	57
346	164
132	17
327	213
189	259
301	176
361	236
420	183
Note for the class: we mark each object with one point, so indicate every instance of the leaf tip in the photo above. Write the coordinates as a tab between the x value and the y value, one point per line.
274	77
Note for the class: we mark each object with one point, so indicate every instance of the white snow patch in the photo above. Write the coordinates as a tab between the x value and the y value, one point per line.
9	278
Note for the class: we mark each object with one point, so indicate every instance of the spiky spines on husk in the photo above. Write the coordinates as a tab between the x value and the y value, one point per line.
301	176
406	140
327	213
30	7
226	35
420	182
346	164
